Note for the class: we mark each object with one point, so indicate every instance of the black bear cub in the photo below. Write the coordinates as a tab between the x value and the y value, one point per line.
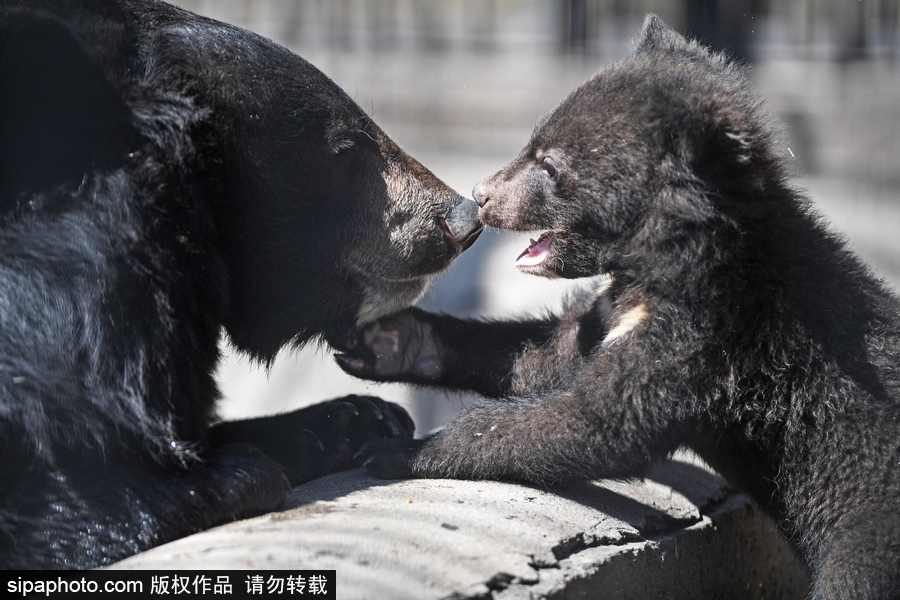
165	177
733	322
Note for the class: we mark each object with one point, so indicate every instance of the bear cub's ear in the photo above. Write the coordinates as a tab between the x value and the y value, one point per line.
700	102
656	36
702	133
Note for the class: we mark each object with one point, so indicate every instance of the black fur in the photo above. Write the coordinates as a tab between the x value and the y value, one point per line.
734	321
163	175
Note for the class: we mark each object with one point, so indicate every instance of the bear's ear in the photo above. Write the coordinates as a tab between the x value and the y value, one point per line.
59	116
704	133
656	36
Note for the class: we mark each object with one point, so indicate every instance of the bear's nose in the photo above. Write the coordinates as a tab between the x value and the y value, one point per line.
461	226
480	195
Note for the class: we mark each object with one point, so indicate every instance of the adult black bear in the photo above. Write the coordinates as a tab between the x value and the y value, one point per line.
163	175
734	322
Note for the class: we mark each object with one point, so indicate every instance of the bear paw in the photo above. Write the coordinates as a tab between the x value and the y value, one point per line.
402	347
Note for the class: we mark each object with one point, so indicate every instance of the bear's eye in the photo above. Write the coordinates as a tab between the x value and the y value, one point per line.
549	168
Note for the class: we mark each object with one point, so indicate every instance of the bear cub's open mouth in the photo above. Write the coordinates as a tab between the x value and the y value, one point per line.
537	252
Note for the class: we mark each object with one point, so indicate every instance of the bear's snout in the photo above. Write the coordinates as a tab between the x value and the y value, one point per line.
461	226
480	194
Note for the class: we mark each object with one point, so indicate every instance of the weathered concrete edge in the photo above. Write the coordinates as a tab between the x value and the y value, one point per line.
733	552
456	539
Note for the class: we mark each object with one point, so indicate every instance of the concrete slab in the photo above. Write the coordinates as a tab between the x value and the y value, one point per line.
679	534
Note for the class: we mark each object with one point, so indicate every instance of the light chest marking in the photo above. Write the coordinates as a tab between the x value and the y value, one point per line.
627	323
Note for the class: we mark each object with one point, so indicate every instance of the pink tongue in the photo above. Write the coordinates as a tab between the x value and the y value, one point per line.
536	252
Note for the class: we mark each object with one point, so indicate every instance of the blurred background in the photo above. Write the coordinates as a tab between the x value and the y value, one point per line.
460	84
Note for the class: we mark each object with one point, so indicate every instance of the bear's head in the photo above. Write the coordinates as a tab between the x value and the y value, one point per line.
336	227
287	211
660	143
326	223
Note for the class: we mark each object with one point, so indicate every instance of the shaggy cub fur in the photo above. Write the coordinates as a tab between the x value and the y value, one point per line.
735	322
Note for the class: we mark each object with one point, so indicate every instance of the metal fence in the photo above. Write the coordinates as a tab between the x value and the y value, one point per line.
832	29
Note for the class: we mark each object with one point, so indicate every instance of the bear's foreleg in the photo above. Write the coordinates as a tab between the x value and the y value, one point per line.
440	350
609	423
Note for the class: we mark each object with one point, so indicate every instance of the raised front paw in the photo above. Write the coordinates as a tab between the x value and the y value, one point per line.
389	459
402	347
